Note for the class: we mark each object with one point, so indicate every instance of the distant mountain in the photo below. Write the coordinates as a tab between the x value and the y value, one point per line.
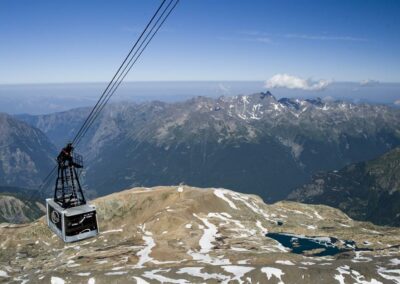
60	127
367	191
254	144
19	205
26	154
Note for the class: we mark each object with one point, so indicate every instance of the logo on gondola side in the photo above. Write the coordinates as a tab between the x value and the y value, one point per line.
55	217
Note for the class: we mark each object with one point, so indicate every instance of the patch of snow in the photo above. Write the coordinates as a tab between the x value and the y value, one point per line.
56	280
227	218
208	236
371	231
360	258
196	272
264	231
221	194
180	189
276	106
91	281
163	279
188	226
83	274
206	258
344	225
318	216
238	271
155	261
112	231
239	249
272	271
390	274
307	263
104	261
71	263
115	273
140	280
3	273
355	275
395	261
243	261
285	262
251	204
144	254
340	278
226	215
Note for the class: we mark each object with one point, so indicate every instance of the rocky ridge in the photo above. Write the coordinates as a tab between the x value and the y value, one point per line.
181	234
242	142
366	191
26	154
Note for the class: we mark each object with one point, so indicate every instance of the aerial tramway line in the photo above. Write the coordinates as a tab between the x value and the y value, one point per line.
68	213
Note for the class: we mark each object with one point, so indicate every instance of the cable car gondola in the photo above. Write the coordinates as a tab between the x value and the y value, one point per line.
68	214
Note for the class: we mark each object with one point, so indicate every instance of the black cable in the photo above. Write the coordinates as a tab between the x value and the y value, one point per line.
117	83
108	92
126	58
45	182
99	109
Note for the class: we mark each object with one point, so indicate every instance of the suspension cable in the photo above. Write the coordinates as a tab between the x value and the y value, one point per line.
129	66
119	75
116	73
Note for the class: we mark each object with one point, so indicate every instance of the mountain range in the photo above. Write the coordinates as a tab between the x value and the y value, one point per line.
26	154
365	191
19	205
250	143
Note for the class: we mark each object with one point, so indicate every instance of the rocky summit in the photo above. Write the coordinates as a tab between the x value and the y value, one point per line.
181	234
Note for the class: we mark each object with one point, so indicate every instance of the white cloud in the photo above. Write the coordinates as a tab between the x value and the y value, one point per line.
368	83
293	82
397	102
263	39
259	39
325	37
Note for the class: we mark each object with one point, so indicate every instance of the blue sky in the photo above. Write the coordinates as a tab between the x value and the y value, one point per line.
84	41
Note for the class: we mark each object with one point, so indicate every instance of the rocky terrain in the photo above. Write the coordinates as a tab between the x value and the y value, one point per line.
26	154
255	144
365	191
18	205
180	234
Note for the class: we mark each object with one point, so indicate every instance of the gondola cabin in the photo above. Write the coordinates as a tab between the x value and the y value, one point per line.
72	224
68	213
